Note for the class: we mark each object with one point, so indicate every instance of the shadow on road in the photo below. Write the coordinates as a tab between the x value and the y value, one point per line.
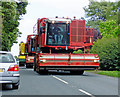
29	71
67	73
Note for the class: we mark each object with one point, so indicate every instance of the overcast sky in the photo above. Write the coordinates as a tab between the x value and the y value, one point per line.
48	8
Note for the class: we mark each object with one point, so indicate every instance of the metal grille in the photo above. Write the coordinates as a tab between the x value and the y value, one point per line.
81	23
89	35
80	31
73	38
73	31
81	38
77	32
74	23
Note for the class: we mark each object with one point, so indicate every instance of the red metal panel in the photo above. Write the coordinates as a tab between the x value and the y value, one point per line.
42	39
77	32
68	60
61	59
53	60
38	24
77	60
81	23
89	35
84	60
91	64
73	39
46	60
74	23
34	42
90	58
29	59
74	31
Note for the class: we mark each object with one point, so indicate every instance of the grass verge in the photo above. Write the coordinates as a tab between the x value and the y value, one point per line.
108	73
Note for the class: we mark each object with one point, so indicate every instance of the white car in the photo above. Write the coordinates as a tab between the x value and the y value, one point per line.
9	70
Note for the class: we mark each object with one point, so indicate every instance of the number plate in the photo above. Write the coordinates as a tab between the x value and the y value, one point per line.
1	69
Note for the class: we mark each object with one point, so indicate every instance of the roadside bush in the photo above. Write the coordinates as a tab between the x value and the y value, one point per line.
107	49
79	51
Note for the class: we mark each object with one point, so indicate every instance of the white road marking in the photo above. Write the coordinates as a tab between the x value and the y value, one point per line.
78	89
86	93
60	80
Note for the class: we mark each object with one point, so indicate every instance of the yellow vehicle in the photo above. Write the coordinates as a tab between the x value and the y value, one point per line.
22	54
22	48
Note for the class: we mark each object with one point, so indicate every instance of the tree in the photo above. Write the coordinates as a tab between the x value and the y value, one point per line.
109	28
118	21
11	14
100	11
104	16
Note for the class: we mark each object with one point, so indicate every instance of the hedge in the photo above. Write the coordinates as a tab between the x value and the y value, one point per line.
108	52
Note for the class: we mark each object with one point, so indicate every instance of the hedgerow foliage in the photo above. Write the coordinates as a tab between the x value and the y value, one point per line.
79	51
108	51
104	16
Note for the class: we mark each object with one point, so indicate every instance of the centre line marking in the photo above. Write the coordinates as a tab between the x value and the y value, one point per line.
60	80
86	92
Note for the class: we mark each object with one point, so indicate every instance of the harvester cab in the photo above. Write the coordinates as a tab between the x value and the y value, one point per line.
31	43
57	32
64	33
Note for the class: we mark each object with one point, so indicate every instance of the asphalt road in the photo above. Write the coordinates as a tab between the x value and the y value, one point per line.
90	84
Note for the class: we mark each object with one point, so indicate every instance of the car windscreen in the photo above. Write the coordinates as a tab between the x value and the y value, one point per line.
6	58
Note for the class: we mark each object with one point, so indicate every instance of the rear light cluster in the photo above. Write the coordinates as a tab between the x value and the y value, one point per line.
14	68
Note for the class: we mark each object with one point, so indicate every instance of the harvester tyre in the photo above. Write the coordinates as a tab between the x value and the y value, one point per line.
27	65
34	67
78	72
43	72
81	72
21	64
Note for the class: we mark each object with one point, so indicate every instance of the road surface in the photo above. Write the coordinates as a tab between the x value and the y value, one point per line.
32	83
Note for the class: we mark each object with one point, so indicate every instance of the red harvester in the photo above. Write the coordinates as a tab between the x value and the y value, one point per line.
57	39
